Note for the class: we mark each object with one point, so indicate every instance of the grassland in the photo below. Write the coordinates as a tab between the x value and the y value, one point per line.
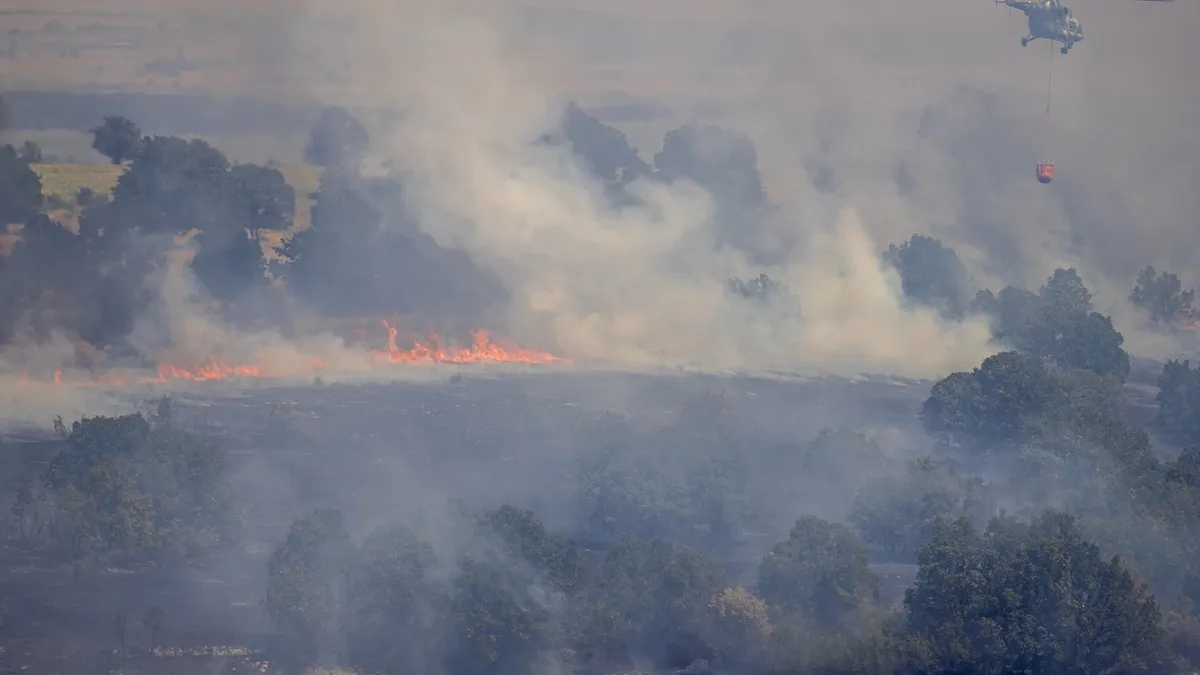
63	181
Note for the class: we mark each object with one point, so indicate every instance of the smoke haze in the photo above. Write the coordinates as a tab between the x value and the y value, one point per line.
872	121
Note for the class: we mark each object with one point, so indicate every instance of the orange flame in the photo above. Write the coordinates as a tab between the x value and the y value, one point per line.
481	350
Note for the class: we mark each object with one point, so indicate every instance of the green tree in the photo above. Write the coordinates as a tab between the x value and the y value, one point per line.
762	287
337	139
1011	309
999	401
1179	400
125	487
117	138
307	585
509	596
395	604
229	264
1029	598
1065	292
153	622
173	186
838	462
606	151
689	481
898	513
262	200
738	629
1162	296
725	164
1057	324
1078	341
819	573
523	537
931	274
44	271
20	188
650	600
31	152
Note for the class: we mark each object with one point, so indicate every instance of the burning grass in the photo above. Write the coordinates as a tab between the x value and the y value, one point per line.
361	360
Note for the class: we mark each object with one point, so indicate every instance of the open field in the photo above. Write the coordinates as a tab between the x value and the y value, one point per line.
65	180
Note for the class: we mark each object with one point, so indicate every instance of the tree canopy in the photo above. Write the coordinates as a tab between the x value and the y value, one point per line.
931	274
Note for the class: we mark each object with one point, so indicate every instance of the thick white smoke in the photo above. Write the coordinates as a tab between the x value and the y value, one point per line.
641	286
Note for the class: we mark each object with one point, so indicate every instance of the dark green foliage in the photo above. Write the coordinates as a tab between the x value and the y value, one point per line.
45	265
229	265
1057	324
689	482
345	226
173	186
605	150
395	604
20	188
1029	598
838	462
1065	293
497	625
725	164
820	572
117	138
521	536
506	597
722	161
1179	400
1162	296
1078	341
353	263
898	513
1011	309
261	199
646	604
31	152
931	274
998	401
761	288
308	584
126	487
337	139
1185	469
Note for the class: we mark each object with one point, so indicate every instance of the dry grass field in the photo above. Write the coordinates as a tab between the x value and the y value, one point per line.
64	180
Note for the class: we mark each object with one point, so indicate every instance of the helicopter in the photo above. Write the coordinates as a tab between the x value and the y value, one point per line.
1051	20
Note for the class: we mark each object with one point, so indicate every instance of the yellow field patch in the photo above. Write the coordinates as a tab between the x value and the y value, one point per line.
64	180
303	178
